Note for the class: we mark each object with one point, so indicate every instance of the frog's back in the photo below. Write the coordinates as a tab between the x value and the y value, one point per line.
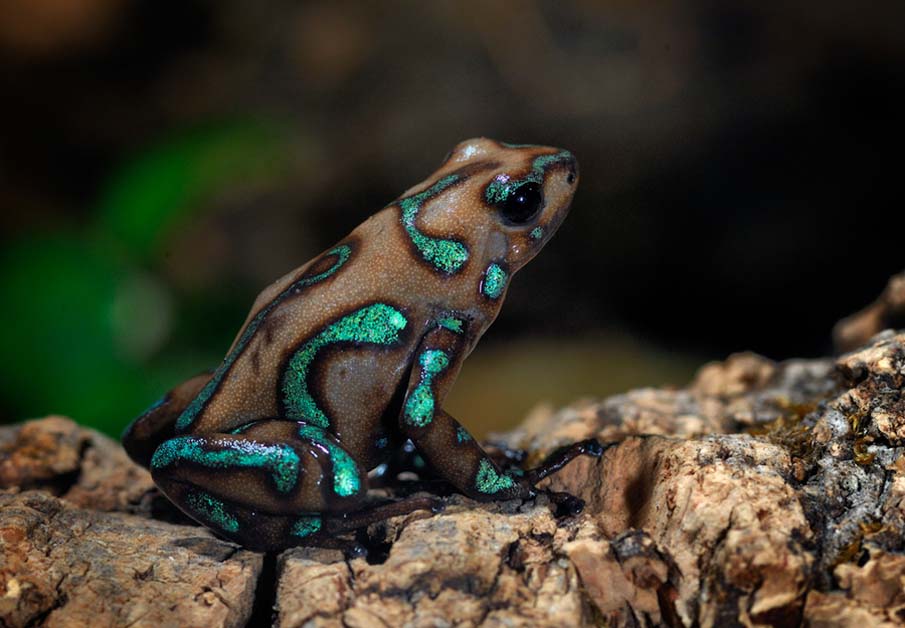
334	311
343	359
331	342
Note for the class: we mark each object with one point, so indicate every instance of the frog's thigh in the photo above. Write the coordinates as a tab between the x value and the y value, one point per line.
260	478
158	423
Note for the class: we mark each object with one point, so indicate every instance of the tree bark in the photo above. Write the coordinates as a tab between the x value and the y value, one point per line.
762	494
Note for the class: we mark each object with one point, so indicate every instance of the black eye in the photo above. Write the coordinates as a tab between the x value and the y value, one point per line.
522	204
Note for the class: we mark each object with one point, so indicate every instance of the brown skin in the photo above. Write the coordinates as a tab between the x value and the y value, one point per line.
222	450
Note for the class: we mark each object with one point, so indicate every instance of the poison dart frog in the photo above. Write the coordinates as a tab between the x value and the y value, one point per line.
348	359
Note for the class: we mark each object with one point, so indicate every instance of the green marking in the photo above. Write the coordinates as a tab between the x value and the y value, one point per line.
542	162
213	511
489	482
280	460
447	256
499	189
382	442
494	281
462	435
511	145
306	526
419	408
451	323
346	480
378	324
537	233
188	416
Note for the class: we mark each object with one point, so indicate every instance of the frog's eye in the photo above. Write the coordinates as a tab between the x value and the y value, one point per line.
522	204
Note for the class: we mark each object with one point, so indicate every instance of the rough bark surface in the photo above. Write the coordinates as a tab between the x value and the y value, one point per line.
887	312
72	554
763	494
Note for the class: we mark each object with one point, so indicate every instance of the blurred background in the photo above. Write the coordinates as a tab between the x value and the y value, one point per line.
162	161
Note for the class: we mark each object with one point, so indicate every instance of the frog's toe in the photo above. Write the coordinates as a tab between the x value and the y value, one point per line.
567	505
355	550
594	448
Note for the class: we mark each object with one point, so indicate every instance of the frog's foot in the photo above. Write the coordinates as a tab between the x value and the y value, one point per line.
563	456
565	504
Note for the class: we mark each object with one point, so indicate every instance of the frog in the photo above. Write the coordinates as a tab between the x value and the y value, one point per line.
347	360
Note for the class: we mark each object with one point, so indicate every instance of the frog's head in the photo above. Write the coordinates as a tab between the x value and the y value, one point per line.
515	196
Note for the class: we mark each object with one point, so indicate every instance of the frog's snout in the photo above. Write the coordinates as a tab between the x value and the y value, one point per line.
572	177
568	160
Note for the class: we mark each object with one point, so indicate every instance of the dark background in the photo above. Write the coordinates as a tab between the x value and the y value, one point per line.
162	161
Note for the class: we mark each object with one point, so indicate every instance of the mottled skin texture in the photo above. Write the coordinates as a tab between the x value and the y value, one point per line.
343	359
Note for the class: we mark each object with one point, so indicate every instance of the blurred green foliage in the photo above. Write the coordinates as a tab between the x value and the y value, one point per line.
169	182
86	315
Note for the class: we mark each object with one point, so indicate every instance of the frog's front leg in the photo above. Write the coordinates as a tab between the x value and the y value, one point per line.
445	443
449	447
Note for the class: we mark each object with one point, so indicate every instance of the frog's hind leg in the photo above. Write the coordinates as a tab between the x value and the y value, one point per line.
158	423
264	485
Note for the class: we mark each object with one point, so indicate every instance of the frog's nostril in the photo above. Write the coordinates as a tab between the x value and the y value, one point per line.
572	163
